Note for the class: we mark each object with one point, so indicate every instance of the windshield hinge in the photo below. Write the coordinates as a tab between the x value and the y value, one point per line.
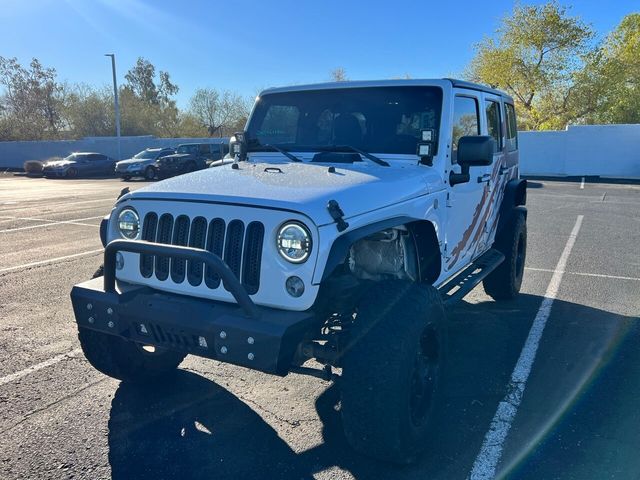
448	199
336	213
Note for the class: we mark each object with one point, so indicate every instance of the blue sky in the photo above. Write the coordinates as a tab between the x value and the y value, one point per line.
252	44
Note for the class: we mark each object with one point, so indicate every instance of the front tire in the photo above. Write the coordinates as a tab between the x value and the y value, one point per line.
71	173
505	281
127	361
393	371
149	173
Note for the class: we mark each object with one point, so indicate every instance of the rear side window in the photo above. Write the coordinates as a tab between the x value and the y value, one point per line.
494	122
512	129
204	148
466	121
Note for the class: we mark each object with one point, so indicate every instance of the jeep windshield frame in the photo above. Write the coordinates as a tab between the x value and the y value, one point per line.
377	120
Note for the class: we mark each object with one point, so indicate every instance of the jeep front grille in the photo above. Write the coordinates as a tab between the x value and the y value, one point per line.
238	245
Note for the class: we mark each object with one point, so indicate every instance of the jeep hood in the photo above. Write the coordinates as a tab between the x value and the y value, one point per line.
302	187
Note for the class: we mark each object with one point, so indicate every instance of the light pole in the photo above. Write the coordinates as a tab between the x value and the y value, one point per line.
115	99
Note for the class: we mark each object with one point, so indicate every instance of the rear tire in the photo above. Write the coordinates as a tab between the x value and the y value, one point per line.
505	281
392	373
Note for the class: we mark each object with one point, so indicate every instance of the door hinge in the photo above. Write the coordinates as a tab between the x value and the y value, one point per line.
449	202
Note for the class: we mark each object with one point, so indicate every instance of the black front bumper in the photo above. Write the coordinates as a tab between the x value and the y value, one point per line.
244	334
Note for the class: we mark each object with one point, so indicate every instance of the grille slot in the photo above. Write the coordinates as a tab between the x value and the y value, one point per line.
215	244
149	227
252	257
165	227
197	238
233	247
238	245
180	237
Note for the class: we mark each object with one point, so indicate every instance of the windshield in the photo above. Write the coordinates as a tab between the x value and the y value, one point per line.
373	119
146	154
187	149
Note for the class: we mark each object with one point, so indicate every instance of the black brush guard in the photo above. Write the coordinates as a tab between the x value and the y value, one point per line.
244	334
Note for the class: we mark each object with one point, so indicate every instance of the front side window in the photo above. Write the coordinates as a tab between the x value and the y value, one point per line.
466	122
192	149
494	122
373	119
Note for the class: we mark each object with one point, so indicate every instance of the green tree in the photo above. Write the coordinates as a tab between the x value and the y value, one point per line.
339	74
220	113
535	56
609	85
141	80
30	105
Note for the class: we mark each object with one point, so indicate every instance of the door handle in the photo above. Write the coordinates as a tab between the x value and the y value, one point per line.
484	178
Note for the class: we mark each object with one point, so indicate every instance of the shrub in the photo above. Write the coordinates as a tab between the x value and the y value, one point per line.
33	167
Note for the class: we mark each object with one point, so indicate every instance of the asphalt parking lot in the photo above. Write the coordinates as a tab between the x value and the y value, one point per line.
577	413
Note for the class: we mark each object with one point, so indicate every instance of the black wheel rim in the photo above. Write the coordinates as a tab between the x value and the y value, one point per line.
425	375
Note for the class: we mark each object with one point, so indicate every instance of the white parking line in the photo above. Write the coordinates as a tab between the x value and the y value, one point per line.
599	275
487	460
68	203
77	221
34	368
50	260
582	184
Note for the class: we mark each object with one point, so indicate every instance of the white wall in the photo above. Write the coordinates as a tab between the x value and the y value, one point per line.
14	154
600	150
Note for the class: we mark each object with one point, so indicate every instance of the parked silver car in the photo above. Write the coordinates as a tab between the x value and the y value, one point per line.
141	164
80	164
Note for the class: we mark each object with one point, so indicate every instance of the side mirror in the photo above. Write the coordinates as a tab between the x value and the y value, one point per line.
238	146
473	151
476	150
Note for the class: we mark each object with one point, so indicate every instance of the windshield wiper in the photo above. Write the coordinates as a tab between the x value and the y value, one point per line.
290	156
367	155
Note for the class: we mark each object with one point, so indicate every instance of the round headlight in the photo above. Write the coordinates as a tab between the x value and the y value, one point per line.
294	242
129	223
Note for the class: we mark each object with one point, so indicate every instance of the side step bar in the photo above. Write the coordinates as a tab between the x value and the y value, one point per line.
467	279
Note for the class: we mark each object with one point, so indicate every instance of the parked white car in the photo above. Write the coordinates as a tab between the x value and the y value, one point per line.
353	213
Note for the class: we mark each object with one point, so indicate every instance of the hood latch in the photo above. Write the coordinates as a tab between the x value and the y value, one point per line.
336	213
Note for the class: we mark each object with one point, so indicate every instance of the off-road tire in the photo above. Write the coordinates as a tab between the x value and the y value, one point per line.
396	321
125	360
505	281
149	173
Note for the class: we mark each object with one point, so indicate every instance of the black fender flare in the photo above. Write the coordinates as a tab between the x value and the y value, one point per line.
342	244
514	199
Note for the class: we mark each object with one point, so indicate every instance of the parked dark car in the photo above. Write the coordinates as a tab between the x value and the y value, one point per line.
141	164
80	164
189	157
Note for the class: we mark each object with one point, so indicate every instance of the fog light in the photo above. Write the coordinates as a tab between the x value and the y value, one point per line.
119	261
295	286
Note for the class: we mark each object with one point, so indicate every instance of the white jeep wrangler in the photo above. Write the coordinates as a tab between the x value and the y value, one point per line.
352	214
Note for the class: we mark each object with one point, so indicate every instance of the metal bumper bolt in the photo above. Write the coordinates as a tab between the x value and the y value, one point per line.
251	356
91	320
223	350
110	324
250	341
110	311
223	334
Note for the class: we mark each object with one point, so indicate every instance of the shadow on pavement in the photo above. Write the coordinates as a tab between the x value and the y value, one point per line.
193	428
